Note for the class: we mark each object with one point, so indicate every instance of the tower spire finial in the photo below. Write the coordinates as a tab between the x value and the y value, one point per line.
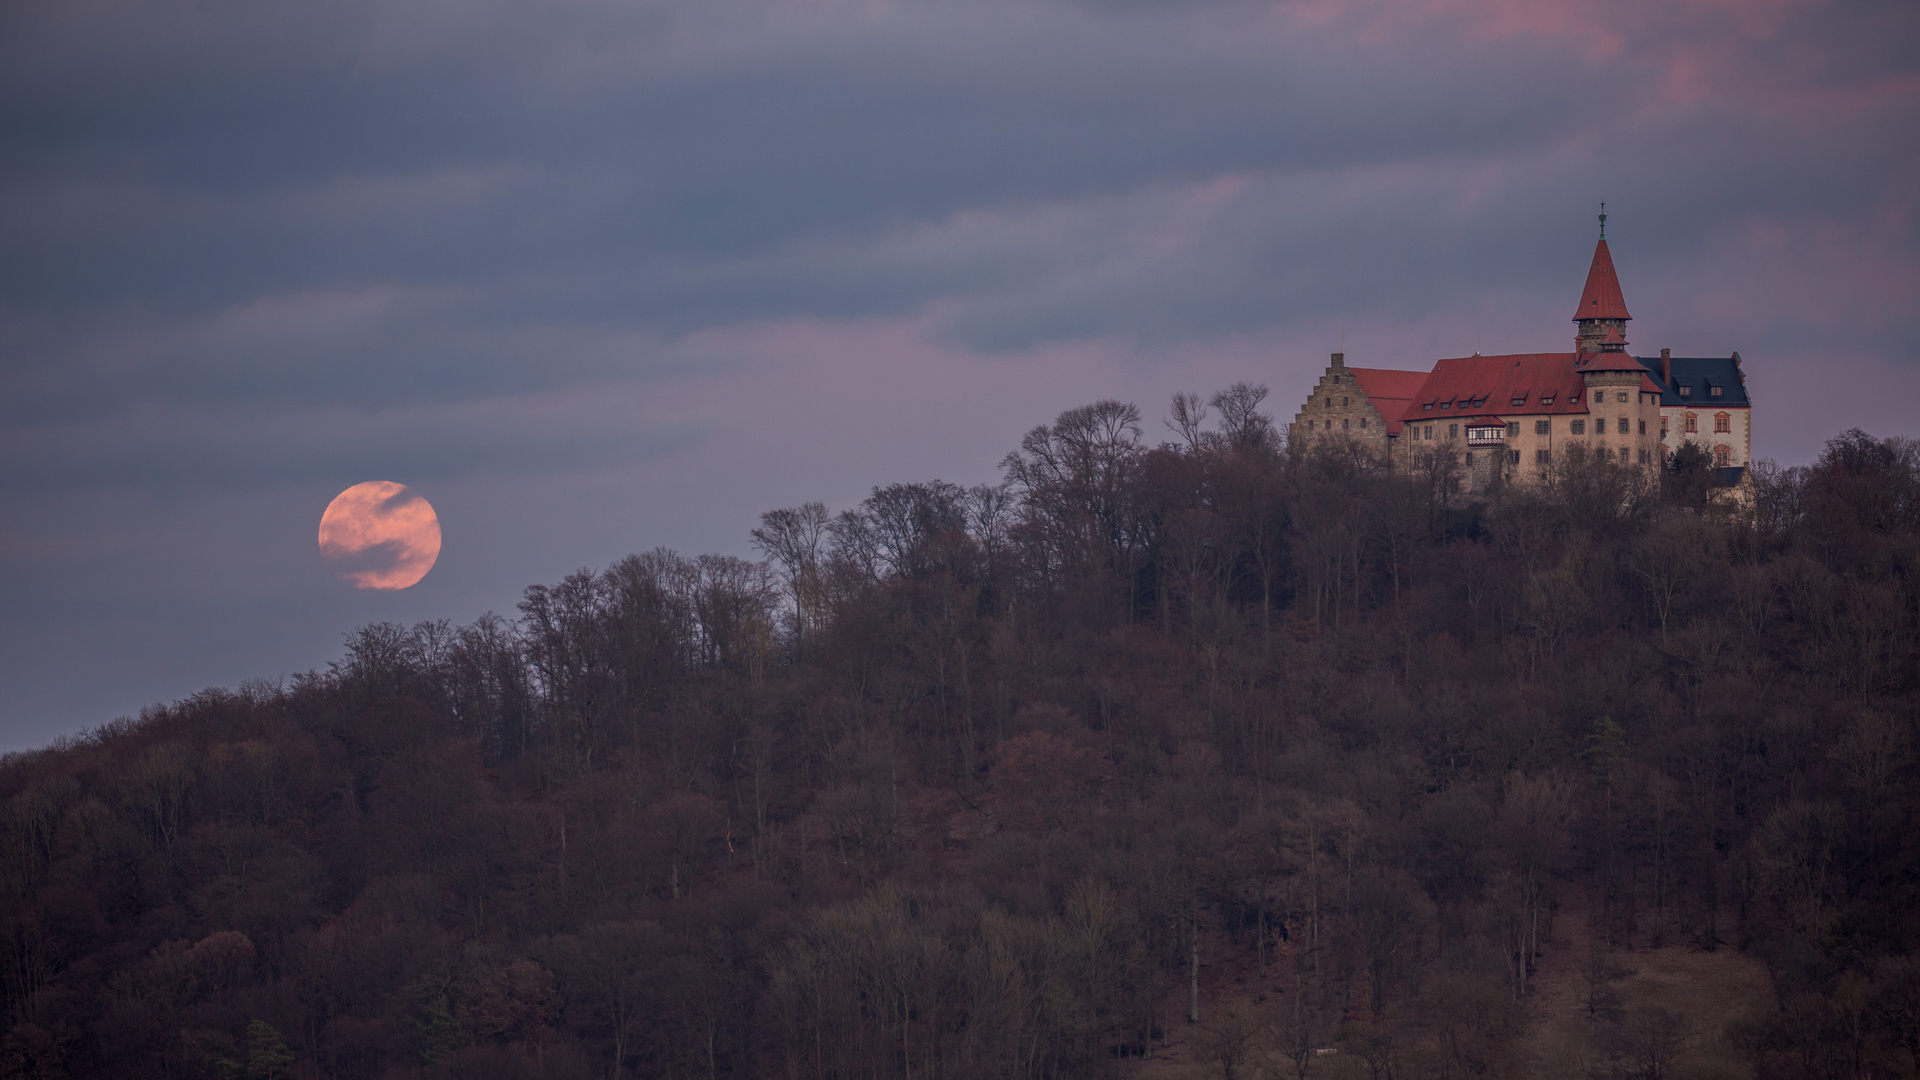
1603	220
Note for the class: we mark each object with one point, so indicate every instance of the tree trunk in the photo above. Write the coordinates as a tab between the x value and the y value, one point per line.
1193	972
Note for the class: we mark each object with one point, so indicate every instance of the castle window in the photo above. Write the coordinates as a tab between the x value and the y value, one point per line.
1599	396
1723	455
1643	427
1685	390
1429	432
1328	423
1623	455
1713	391
1623	397
1546	401
1453	431
1513	457
1518	400
1363	423
1541	457
1328	402
1542	427
1643	456
1513	429
1663	425
1578	427
1344	402
1343	425
1447	404
1624	426
1691	425
1723	423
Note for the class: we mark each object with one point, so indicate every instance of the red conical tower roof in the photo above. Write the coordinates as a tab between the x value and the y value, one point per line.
1601	298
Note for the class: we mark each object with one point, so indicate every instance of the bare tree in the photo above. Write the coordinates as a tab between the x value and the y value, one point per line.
1649	1042
1242	424
1231	1038
793	539
1187	418
1075	479
918	529
1297	1028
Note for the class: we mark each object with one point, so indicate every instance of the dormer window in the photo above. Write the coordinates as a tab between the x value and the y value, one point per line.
1685	390
1428	407
1546	401
1713	391
1518	400
1447	404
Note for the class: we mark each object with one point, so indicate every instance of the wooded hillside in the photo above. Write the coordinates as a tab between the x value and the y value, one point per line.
1012	781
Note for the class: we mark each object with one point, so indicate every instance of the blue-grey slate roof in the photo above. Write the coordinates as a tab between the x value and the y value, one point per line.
1699	374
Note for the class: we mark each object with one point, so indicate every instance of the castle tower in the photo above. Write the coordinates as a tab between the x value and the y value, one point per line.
1622	402
1602	309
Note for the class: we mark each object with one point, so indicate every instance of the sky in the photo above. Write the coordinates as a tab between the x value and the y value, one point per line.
598	276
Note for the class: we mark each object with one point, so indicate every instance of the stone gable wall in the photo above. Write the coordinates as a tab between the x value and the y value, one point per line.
1339	408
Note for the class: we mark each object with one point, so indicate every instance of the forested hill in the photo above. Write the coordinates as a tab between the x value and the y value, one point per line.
1010	781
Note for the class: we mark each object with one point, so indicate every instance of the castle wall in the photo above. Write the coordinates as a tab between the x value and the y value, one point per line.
1738	440
1533	442
1639	412
1339	408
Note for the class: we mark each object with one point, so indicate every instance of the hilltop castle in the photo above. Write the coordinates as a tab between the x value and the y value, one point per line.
1511	416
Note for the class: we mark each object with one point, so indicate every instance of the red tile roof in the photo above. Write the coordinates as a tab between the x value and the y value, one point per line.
1611	361
1601	299
1390	391
1496	382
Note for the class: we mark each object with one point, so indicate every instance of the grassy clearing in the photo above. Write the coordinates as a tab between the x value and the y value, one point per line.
1597	1012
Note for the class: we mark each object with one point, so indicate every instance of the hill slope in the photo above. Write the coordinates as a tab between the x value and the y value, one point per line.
1011	781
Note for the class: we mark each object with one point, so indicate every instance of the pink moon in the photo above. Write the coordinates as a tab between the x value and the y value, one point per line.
379	535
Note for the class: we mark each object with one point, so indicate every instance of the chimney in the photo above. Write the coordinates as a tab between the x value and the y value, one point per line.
1666	367
1339	361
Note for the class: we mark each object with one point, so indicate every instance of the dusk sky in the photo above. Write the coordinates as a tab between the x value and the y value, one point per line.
596	277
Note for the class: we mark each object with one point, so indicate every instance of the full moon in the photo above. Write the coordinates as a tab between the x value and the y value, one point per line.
379	535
